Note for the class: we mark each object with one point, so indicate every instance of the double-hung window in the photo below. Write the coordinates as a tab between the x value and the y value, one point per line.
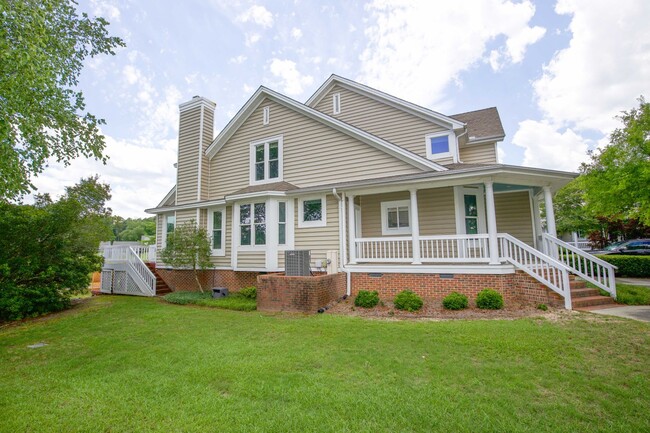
441	145
395	217
282	223
216	230
266	161
170	225
252	224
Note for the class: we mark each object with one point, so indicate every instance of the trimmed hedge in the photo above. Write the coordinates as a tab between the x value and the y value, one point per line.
407	300
367	299
629	266
455	301
249	292
489	299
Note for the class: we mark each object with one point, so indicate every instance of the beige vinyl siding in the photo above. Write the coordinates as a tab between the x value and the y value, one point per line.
380	119
435	208
281	259
225	260
479	154
208	131
319	239
313	153
513	215
251	259
185	216
437	211
159	230
188	156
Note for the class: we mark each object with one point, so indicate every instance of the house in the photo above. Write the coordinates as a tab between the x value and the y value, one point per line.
393	195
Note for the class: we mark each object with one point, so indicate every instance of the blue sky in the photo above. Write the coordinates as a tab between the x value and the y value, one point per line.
557	71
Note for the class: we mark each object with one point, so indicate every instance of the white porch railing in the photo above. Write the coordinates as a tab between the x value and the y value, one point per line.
144	278
134	257
540	266
590	268
455	248
119	253
385	249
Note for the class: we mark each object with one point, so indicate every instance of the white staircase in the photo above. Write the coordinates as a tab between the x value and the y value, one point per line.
125	272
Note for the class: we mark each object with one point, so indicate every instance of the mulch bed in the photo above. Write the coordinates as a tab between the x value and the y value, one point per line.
433	310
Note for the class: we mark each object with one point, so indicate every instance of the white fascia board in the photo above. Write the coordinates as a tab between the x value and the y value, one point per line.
430	115
168	196
262	92
195	205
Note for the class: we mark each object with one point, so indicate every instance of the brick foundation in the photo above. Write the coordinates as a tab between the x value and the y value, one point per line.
184	280
277	292
518	287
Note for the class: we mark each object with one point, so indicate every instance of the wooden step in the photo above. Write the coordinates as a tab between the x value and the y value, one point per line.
584	292
589	301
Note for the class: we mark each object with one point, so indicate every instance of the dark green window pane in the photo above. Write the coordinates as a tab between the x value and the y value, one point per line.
273	150
260	213
216	220
259	171
403	217
282	234
471	226
245	214
260	234
470	206
245	235
282	212
392	218
216	239
259	153
273	169
312	210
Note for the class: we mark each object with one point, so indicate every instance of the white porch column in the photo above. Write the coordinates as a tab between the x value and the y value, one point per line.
550	213
491	223
415	227
352	230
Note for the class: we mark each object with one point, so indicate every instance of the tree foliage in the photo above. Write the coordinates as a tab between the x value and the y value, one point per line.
48	250
188	247
43	44
617	177
133	229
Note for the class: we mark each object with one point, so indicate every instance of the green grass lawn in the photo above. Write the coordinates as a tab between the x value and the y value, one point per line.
632	295
127	364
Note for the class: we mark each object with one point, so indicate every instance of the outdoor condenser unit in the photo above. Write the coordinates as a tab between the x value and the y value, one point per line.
296	263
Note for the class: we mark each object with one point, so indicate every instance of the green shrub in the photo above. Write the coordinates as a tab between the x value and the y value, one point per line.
184	298
455	301
367	299
629	266
489	299
234	301
542	307
408	301
249	292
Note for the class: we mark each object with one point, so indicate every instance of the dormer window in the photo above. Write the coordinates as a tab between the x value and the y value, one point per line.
336	103
441	145
266	115
266	160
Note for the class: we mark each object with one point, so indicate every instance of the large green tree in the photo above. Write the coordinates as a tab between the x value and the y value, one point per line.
188	248
49	249
43	44
616	180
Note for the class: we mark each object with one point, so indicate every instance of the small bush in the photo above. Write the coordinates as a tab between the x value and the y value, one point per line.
249	292
455	301
629	266
408	301
542	307
367	299
489	299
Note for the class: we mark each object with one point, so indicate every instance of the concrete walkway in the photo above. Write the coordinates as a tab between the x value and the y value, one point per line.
636	312
634	281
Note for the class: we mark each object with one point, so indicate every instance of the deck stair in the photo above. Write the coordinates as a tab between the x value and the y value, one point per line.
586	298
161	287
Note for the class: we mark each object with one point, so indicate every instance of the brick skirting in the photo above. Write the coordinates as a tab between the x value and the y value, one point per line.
277	292
184	280
519	286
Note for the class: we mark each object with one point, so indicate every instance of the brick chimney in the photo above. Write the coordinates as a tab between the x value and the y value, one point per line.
195	133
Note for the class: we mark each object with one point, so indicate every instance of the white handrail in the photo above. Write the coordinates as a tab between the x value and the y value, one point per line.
590	268
455	248
140	273
384	249
543	268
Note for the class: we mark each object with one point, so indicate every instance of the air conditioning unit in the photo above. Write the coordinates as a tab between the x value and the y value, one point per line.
296	263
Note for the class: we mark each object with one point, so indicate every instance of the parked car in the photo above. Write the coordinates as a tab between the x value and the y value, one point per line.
632	247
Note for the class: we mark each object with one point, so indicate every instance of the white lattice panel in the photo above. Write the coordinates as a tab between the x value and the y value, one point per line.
106	282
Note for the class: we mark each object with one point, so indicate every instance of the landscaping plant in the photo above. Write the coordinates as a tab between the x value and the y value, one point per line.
408	301
455	301
367	299
489	299
248	292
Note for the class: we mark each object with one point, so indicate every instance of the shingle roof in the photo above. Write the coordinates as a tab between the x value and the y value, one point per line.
275	186
481	123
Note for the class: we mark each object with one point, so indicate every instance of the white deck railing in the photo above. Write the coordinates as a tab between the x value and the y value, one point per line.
385	249
134	257
590	268
455	248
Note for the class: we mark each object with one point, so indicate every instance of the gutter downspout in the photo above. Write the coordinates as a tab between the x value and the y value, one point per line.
458	144
342	239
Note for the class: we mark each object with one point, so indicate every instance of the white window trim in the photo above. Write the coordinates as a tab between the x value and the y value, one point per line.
385	230
453	146
306	224
266	115
253	246
459	199
163	242
221	251
336	103
289	229
266	141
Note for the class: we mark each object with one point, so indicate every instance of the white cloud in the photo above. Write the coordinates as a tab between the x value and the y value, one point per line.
546	147
415	49
258	15
293	83
296	33
238	60
600	73
106	9
252	39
